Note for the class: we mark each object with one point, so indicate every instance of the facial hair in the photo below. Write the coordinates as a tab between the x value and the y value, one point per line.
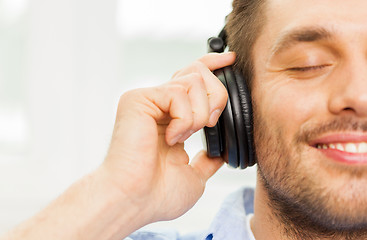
305	205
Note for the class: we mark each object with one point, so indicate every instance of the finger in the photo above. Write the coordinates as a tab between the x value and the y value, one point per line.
206	167
218	60
212	61
172	100
197	93
216	92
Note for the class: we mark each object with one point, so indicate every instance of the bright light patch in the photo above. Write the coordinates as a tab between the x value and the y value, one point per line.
13	127
12	9
190	19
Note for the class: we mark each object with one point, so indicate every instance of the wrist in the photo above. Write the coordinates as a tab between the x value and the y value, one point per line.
92	208
121	211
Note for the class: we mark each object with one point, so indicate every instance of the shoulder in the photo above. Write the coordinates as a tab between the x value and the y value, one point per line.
153	235
241	201
164	235
231	222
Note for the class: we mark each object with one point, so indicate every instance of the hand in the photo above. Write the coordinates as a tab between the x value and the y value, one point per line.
146	176
146	159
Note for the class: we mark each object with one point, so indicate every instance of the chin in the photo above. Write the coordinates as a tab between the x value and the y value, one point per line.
312	190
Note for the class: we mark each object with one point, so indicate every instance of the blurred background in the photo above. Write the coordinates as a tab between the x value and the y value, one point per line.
64	65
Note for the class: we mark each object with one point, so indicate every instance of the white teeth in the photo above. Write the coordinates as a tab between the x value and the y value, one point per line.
362	148
351	147
340	147
345	147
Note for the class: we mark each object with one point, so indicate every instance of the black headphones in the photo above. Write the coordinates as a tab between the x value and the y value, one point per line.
232	137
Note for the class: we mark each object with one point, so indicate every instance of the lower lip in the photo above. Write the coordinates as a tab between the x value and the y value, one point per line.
345	157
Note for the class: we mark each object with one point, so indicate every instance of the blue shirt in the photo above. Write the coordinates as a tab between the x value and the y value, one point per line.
231	222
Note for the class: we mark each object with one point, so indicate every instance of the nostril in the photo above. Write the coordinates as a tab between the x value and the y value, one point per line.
349	109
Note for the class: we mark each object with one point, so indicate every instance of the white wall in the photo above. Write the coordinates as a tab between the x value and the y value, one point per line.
63	66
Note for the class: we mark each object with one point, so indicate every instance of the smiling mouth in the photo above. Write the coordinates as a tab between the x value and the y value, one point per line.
351	147
347	148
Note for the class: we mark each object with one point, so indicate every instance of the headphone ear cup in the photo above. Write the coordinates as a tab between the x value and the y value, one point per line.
247	116
232	137
221	140
241	136
211	138
227	128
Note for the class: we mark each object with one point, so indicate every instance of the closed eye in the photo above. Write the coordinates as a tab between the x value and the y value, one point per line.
308	68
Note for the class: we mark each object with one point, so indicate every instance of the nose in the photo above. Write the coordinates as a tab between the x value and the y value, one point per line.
348	89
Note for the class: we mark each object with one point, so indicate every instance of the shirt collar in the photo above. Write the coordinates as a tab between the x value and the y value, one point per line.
231	221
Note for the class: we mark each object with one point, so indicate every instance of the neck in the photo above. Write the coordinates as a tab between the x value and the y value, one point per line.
275	220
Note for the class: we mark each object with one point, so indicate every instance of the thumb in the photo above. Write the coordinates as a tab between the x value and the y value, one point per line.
205	166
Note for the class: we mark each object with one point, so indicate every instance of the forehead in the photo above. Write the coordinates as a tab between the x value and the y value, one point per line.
321	8
334	16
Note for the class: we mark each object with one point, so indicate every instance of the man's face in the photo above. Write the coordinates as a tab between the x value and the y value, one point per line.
310	107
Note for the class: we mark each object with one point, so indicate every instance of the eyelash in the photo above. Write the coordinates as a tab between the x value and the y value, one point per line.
305	69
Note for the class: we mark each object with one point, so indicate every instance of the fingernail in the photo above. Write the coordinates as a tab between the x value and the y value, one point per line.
175	140
214	117
227	53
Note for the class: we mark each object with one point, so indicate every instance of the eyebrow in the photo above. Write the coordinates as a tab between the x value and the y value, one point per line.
305	34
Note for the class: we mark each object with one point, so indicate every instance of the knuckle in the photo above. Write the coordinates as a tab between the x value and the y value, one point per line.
198	65
197	77
222	101
177	89
221	90
219	98
189	121
129	95
177	73
128	103
196	80
202	119
193	78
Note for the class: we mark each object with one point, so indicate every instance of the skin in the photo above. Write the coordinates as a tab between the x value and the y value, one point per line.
304	92
146	176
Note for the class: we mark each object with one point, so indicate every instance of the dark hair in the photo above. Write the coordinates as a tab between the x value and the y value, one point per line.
243	27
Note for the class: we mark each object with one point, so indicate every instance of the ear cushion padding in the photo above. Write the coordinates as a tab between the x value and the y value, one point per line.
227	127
246	106
235	101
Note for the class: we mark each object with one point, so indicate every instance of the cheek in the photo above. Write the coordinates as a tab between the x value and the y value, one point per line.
280	110
286	107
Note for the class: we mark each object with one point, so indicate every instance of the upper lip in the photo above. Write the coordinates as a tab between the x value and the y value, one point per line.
340	138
